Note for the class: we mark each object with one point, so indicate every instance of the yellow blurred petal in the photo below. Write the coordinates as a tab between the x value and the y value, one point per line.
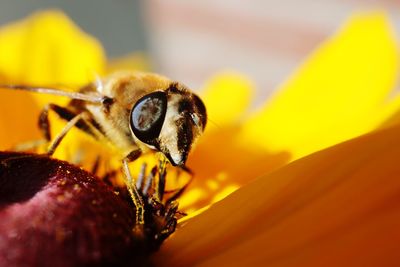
337	207
45	49
227	97
48	48
338	93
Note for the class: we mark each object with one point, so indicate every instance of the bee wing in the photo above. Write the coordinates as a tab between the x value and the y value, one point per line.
94	98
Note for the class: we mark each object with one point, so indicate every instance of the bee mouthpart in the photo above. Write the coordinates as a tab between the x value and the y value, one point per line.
177	160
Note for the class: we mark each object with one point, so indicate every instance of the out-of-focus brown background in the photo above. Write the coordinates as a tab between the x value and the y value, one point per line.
192	40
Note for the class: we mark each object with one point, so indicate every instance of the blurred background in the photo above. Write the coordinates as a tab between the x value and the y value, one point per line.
190	41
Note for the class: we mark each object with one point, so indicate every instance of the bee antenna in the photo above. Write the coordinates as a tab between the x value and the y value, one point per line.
214	123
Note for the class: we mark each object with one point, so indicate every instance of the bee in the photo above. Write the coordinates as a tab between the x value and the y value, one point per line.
135	112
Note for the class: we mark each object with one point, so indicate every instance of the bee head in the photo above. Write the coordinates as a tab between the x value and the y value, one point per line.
169	121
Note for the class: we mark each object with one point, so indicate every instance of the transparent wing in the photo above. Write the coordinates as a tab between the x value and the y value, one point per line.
94	98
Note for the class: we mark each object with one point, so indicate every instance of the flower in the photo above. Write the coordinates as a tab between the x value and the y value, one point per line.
55	214
334	207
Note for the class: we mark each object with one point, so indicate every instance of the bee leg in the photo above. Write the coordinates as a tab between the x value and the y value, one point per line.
131	186
170	220
162	173
109	176
96	166
84	124
149	181
57	140
140	179
79	120
46	126
44	123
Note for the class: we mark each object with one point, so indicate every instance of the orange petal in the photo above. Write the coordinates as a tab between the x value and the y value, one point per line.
18	118
337	207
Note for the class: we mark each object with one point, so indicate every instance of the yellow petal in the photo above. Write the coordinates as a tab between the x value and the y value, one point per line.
337	94
48	48
44	49
227	97
337	207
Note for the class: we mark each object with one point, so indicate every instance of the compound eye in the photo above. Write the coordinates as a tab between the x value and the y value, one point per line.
147	116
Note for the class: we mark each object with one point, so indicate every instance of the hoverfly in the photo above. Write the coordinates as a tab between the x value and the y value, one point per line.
135	112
